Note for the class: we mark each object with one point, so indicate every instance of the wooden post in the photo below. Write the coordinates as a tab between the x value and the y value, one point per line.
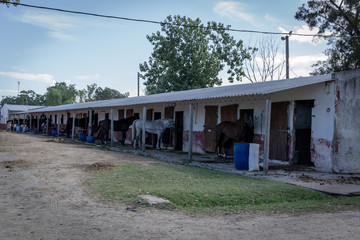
90	122
191	112
73	126
58	124
38	123
267	135
143	129
30	127
47	123
112	126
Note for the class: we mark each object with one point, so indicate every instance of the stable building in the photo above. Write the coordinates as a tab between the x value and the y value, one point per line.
309	121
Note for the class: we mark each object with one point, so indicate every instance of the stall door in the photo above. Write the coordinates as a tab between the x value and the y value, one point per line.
279	131
228	113
179	128
211	115
303	111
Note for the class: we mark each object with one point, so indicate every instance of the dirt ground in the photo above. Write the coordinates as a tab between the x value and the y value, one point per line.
42	197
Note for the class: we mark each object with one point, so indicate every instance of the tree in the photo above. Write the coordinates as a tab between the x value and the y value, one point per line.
190	55
95	93
342	19
60	94
25	98
8	2
265	64
108	93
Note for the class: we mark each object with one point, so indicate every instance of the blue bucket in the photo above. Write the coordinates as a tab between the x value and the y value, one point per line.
82	136
54	133
241	156
90	139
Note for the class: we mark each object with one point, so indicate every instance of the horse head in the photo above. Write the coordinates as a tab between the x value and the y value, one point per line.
249	120
169	123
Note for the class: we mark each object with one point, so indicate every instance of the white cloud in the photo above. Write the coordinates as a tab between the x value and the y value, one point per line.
58	25
233	10
304	29
41	77
301	65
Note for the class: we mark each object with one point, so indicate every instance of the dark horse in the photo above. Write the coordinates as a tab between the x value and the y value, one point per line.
240	131
79	122
121	125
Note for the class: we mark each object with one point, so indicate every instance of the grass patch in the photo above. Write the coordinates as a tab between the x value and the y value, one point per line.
199	190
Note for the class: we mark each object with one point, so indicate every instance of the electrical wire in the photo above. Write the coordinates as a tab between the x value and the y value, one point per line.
165	23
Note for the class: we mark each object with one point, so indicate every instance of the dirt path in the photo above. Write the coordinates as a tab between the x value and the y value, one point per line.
41	197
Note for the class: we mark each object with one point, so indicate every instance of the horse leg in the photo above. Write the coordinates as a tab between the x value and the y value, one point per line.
123	138
224	139
158	141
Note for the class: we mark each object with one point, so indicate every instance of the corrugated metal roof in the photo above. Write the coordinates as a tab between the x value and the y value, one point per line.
20	108
235	90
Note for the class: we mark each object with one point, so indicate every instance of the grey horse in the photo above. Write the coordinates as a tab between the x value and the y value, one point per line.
157	127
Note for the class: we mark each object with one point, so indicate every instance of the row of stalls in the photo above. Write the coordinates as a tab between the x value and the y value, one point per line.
309	121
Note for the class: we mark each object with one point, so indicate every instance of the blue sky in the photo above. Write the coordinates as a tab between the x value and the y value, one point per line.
41	47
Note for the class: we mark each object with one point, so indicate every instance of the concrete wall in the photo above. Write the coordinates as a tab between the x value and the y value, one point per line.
347	123
4	114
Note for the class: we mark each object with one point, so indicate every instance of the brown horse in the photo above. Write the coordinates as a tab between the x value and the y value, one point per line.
239	131
121	125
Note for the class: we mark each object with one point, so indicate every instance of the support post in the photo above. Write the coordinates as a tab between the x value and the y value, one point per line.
73	126
112	126
90	122
30	127
143	129
191	120
58	124
267	135
38	124
47	123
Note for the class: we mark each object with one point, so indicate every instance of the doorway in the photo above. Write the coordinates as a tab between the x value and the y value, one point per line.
303	115
279	131
179	128
211	116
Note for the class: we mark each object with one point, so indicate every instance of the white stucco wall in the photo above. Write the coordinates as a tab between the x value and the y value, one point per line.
347	123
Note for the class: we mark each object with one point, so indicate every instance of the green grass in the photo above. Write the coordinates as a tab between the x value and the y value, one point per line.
198	190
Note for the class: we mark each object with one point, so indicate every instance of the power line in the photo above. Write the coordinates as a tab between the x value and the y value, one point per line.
163	23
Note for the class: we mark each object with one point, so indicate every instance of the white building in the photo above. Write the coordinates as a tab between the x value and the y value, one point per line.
313	120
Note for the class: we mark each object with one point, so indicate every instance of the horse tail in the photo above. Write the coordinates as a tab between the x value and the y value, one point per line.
133	131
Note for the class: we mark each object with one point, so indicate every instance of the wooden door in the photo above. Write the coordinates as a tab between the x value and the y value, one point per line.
228	113
211	116
179	128
279	131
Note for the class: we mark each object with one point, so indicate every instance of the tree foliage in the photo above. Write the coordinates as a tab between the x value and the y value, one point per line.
10	2
25	98
60	94
190	55
342	19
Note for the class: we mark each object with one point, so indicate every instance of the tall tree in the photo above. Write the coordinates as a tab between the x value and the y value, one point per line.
342	19
265	63
60	94
108	93
190	55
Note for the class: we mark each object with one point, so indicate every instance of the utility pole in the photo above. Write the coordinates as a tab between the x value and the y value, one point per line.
18	88
286	39
138	83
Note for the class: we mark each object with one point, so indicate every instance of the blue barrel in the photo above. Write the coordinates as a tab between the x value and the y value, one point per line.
90	139
241	156
54	133
82	136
